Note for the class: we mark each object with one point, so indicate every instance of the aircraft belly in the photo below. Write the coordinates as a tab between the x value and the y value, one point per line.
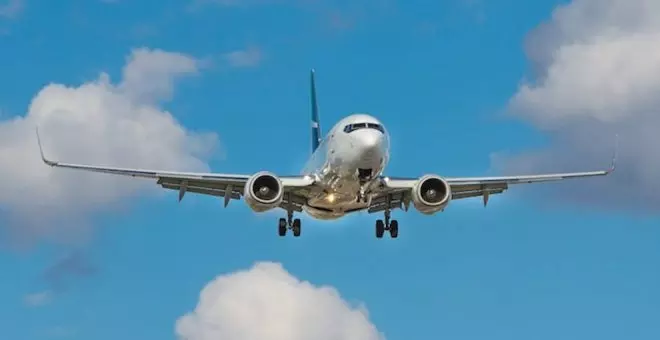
323	214
332	201
330	212
339	198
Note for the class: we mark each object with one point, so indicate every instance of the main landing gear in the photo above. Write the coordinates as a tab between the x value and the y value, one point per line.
392	226
289	223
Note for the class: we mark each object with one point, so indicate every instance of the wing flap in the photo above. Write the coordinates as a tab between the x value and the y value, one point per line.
293	202
199	188
190	183
394	204
397	199
458	193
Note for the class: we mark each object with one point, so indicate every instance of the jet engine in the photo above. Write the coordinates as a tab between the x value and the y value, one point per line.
431	194
263	191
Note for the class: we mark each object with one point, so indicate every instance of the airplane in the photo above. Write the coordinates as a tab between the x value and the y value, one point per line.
345	174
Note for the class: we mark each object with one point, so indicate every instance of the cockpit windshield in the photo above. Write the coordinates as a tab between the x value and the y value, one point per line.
357	126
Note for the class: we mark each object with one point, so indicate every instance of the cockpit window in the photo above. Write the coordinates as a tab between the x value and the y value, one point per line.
352	127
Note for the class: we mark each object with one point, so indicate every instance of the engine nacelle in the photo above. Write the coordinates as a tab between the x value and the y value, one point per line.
263	191
431	194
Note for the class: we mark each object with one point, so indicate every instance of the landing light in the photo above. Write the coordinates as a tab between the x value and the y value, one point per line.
330	198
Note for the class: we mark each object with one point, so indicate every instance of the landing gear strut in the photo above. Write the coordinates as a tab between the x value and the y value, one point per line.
362	196
289	223
392	226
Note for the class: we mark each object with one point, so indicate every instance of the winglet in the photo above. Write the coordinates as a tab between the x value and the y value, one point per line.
614	155
41	151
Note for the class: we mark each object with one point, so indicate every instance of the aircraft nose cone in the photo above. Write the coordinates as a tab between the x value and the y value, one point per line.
371	145
372	140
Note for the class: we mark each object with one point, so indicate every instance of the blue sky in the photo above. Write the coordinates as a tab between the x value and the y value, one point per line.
440	76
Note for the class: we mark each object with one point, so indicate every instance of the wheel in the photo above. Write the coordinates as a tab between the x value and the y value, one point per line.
380	228
394	228
296	227
281	227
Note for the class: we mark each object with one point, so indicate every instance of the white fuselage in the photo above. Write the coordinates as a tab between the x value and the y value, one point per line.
351	157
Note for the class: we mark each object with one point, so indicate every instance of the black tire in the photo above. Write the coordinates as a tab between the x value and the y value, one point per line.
380	228
297	227
394	228
281	227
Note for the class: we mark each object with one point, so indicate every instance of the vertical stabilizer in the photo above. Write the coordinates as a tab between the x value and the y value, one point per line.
316	124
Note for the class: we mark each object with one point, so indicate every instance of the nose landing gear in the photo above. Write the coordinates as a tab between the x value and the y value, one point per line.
362	196
289	223
364	175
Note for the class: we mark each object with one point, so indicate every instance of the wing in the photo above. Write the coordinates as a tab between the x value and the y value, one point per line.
228	186
397	191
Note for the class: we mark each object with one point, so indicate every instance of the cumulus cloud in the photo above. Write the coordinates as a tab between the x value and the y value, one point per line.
596	73
150	74
266	302
100	122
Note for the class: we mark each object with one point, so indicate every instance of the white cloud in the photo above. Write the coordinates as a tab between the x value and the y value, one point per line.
597	65
150	74
266	302
97	122
248	57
